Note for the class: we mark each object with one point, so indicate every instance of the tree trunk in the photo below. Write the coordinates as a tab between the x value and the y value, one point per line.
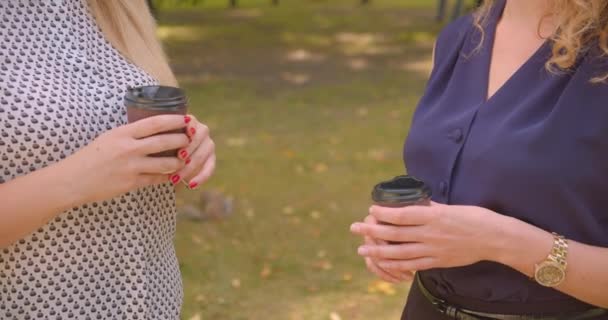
233	3
275	2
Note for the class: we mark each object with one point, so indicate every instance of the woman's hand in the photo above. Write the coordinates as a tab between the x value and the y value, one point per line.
435	236
199	155
372	263
117	161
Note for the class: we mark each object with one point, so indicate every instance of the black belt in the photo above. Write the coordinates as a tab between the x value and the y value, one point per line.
457	313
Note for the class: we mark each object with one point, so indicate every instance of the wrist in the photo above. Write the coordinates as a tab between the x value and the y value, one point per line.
64	183
520	245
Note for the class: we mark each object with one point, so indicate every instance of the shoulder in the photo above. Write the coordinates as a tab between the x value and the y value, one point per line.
451	40
454	33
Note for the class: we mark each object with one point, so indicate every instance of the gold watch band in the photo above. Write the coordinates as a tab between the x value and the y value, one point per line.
559	252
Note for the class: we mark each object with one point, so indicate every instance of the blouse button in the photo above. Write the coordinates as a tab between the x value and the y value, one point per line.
456	135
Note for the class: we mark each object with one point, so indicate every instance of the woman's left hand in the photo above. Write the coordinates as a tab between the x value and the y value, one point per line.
199	156
435	236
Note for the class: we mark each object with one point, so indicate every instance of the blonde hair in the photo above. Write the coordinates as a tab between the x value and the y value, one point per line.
581	24
129	26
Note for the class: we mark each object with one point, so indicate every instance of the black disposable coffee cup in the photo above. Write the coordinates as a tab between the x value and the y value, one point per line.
147	101
400	192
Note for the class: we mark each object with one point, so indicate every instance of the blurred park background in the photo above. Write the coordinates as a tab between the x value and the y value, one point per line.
309	102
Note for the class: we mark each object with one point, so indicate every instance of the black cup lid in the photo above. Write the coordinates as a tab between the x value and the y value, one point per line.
156	97
401	189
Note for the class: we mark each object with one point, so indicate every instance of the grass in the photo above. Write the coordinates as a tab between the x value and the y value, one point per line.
309	104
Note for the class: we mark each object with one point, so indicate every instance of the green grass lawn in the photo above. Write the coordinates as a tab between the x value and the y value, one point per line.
309	104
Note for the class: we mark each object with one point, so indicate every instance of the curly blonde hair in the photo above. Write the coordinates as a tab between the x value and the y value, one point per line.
581	24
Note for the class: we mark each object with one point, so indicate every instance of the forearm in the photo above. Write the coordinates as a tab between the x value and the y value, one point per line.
521	246
30	201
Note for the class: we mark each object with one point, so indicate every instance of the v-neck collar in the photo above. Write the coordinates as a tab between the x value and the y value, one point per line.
486	56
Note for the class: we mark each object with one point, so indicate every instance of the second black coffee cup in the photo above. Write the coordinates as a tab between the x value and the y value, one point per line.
401	191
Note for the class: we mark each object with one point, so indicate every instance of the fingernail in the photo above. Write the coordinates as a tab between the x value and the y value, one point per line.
192	131
187	119
193	185
175	179
355	227
183	154
188	161
363	251
370	210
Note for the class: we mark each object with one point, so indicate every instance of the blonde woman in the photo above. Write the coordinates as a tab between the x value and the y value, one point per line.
86	218
512	137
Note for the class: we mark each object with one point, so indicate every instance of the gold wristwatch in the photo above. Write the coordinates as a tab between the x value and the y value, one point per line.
552	271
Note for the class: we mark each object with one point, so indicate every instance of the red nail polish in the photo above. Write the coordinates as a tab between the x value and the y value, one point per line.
183	154
187	119
188	161
192	131
193	185
175	179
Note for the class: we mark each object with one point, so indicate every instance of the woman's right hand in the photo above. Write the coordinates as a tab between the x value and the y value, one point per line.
117	161
372	265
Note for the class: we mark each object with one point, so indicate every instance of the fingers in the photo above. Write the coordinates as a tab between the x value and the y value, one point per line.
156	124
404	251
198	133
162	142
424	263
405	216
389	232
372	267
196	162
370	219
160	165
204	174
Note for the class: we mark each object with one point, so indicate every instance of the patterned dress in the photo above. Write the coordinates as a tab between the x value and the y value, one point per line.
61	86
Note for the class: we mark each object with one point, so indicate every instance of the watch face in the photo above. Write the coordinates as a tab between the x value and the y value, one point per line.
549	274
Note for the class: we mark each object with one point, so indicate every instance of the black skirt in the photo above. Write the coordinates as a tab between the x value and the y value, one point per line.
418	307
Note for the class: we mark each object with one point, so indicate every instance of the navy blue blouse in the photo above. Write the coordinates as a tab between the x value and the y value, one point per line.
537	150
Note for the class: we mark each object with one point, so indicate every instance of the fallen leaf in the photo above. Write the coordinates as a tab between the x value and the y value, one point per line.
325	265
266	271
315	215
362	112
377	154
347	277
289	154
357	64
288	210
196	316
236	142
382	287
295	78
200	298
300	169
320	167
333	206
334	316
321	254
250	213
236	283
196	239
